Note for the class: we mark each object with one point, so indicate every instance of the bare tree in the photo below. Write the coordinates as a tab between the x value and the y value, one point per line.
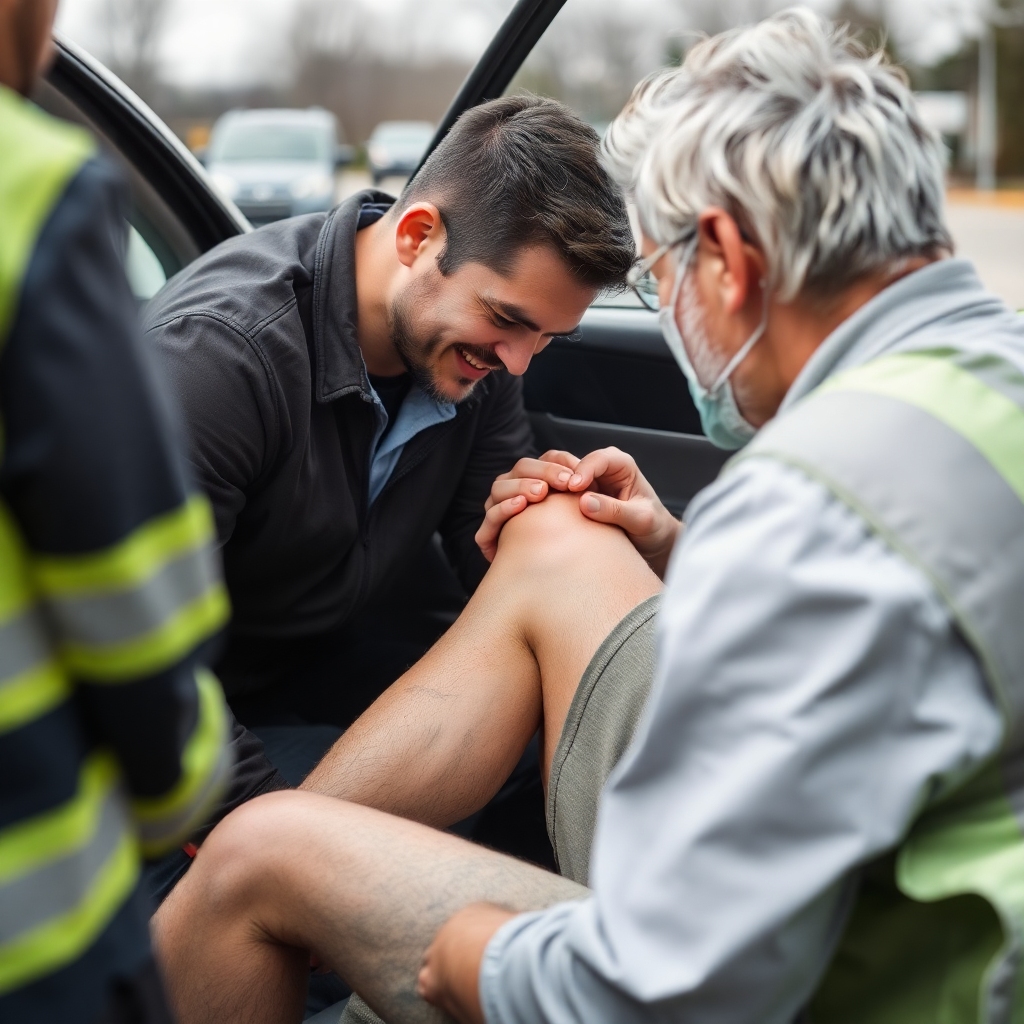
344	57
134	29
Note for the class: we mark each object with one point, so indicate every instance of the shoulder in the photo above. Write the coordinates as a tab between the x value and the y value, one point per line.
766	532
246	281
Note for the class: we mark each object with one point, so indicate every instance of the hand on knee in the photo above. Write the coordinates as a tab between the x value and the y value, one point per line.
552	529
449	977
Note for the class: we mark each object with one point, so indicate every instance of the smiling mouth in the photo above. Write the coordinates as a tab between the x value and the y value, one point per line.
474	361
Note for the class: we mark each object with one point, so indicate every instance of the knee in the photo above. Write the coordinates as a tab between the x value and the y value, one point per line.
552	533
249	854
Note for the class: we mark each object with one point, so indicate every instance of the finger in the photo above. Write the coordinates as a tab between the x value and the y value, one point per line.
637	517
495	518
554	474
531	490
613	467
561	457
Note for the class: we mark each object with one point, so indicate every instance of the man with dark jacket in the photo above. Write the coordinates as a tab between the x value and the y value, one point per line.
350	384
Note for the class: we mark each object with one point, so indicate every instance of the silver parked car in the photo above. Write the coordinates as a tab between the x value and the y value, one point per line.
276	163
397	147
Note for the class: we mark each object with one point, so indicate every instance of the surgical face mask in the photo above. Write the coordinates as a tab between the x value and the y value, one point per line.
720	416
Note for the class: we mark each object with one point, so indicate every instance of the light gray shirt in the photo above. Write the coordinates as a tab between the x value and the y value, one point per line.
812	695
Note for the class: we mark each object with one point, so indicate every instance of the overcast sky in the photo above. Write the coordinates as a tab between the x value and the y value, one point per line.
230	42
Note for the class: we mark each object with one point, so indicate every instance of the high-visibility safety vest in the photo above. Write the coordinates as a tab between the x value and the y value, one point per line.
928	448
103	617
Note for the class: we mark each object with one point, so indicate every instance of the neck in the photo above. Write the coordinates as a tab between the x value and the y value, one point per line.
795	331
376	263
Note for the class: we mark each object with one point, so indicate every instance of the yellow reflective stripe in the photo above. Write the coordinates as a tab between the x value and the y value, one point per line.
184	808
990	421
15	586
27	844
40	156
131	561
63	939
32	694
153	651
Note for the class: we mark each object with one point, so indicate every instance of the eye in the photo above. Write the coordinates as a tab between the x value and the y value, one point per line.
503	322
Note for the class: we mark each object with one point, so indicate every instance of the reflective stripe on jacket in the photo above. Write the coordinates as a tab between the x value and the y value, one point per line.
98	637
928	447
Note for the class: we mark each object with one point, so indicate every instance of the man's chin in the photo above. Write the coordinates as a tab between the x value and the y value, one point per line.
460	389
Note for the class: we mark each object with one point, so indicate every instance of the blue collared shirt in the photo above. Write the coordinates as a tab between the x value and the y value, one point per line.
415	414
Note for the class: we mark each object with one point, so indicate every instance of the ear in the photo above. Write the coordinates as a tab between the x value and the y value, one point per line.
419	229
739	266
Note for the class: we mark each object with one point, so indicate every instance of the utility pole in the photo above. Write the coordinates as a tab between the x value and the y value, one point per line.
988	125
993	17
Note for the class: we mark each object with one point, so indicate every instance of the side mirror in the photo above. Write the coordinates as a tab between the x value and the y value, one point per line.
343	155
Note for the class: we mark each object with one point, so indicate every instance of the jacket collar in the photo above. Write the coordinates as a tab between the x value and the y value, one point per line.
940	291
339	362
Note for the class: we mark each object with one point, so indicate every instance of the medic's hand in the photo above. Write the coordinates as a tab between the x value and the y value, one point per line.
449	977
527	482
616	492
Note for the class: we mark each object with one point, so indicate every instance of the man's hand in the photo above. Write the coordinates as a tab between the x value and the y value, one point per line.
612	489
616	492
449	977
527	482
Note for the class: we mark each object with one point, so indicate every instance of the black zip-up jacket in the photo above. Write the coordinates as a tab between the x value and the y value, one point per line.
259	340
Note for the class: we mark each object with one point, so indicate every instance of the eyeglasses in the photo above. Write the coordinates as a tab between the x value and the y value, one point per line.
643	282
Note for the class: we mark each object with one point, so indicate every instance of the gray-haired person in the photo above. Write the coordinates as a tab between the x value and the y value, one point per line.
816	815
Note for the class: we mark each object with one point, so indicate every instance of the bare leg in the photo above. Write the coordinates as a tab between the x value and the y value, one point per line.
439	743
365	891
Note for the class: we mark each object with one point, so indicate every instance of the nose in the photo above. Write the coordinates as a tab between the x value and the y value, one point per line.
516	354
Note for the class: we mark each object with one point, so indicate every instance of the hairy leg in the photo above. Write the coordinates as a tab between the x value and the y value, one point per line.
365	891
441	740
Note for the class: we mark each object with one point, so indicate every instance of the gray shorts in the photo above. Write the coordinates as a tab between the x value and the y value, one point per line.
599	726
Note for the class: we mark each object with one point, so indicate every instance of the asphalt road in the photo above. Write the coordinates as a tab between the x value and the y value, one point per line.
993	238
989	235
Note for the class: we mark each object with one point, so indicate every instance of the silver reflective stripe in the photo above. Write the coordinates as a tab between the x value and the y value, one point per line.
167	830
24	644
59	886
99	619
936	500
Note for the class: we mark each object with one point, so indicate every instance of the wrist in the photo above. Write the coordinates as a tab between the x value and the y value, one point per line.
660	551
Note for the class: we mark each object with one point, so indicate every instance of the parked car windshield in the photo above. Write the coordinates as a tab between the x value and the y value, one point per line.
420	134
267	141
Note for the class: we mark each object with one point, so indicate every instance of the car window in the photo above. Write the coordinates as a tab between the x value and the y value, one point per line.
145	272
418	134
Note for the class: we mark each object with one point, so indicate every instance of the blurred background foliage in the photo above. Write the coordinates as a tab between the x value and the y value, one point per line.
374	60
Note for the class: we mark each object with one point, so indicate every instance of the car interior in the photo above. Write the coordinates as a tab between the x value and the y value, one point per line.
613	382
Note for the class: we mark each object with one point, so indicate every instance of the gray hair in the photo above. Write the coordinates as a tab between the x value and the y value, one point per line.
815	146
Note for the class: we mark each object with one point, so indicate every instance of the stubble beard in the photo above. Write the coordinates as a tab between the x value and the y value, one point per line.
419	354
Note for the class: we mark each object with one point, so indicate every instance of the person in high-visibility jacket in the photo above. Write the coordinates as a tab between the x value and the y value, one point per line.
112	733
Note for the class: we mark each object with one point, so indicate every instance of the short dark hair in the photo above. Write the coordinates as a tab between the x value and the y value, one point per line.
522	171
